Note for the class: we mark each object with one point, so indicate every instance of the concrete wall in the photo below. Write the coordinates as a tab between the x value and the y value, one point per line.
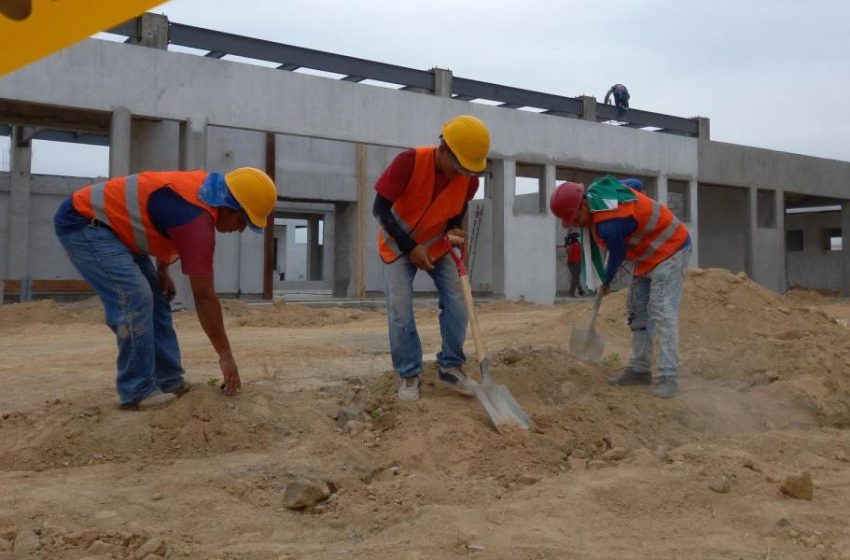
815	267
724	227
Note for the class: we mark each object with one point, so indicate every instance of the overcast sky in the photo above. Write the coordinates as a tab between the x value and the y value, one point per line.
768	73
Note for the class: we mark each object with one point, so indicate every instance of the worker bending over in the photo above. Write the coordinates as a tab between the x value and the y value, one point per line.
111	229
634	227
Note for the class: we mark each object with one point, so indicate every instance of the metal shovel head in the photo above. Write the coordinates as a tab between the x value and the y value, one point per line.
501	406
587	344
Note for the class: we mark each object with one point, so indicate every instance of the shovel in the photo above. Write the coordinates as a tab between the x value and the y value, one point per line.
587	343
498	402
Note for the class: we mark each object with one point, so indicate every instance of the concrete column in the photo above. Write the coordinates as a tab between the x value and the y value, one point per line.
328	240
845	247
153	31
752	230
119	142
779	242
193	144
502	188
661	188
20	164
588	112
703	128
693	220
192	155
156	145
442	82
314	250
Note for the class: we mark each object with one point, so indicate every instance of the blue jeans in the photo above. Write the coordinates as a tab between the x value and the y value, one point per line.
653	308
405	345
136	311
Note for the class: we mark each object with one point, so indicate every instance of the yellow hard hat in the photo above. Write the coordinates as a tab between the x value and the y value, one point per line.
469	140
254	191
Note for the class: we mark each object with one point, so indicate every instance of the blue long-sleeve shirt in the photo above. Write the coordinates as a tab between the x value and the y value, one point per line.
613	233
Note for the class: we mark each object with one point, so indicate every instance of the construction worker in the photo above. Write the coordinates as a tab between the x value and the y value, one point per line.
111	229
621	96
421	198
634	227
635	184
573	246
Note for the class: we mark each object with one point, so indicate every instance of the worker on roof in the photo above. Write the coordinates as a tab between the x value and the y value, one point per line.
422	197
621	96
111	229
631	226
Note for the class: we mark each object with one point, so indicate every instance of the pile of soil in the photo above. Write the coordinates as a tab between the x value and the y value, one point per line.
289	315
202	423
48	311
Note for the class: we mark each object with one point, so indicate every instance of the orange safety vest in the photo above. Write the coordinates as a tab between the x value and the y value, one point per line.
421	215
659	234
122	204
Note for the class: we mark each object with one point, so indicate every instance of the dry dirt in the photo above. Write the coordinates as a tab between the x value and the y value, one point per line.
605	473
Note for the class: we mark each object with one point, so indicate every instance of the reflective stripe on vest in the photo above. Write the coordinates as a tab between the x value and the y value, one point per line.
131	200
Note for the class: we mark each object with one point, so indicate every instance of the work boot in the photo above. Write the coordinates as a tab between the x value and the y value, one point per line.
154	400
666	388
181	390
409	388
454	378
628	376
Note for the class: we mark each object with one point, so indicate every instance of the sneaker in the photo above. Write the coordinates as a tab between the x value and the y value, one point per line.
455	378
409	388
666	388
154	400
628	376
181	390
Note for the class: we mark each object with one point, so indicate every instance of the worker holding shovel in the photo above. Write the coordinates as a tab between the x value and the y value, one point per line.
111	229
633	227
421	198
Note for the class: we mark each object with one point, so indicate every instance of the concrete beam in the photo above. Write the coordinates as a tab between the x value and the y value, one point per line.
703	128
153	31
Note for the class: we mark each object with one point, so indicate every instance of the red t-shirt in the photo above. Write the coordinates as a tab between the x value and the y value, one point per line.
574	254
394	179
195	243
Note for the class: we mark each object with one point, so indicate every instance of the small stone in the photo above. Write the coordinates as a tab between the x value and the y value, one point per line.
156	497
99	547
349	413
784	522
529	479
26	542
473	548
784	310
798	486
615	454
721	485
153	546
596	464
662	453
304	493
354	427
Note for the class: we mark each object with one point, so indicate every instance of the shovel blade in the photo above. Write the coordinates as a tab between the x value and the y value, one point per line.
501	406
587	344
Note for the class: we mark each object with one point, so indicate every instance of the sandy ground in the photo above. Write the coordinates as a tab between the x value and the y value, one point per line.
605	472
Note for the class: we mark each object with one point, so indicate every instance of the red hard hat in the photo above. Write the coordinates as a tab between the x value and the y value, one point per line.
565	202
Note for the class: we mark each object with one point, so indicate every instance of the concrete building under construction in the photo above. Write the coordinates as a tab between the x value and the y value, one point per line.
325	125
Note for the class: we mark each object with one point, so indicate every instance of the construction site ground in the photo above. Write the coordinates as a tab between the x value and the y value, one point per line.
606	472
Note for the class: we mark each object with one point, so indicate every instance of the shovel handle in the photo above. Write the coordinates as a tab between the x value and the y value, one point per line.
467	299
596	303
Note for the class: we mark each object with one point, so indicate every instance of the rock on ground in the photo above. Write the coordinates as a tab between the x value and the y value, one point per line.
304	493
798	486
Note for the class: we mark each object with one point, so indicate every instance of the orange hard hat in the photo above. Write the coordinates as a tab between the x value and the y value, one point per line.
565	201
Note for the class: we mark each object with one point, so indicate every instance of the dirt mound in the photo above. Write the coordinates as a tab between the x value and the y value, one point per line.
288	315
201	423
736	331
48	311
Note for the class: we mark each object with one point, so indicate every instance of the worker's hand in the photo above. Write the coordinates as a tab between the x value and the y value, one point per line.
420	258
232	382
166	284
457	237
605	290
